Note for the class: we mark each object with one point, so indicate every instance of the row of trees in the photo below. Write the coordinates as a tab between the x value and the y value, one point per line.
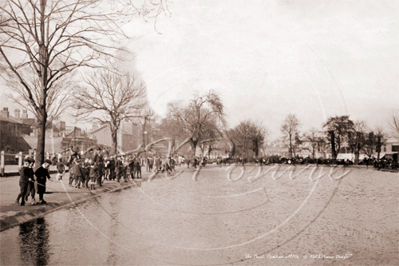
336	132
202	123
44	42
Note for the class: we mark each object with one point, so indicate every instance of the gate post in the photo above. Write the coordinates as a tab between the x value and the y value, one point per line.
2	163
20	159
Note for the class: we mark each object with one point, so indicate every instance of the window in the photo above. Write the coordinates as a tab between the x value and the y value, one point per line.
395	148
385	148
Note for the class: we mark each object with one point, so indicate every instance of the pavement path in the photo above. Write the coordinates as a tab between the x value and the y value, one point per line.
56	197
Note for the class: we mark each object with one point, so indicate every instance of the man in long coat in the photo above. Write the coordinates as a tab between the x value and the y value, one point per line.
42	175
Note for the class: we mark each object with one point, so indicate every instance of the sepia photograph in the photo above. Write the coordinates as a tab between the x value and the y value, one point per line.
201	132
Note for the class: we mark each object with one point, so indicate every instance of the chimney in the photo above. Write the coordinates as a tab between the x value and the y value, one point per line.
5	112
24	114
16	113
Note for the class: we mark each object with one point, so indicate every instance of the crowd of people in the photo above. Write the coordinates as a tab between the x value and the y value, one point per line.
386	164
91	171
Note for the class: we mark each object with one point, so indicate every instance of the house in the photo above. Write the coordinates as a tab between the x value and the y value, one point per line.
128	136
11	135
220	148
19	133
319	145
75	137
390	149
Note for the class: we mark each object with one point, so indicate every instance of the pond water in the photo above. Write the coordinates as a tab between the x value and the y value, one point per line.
277	220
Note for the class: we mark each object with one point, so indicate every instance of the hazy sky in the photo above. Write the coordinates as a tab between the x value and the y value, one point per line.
269	58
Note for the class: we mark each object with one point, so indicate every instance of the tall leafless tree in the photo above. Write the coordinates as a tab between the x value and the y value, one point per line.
210	137
380	139
313	137
357	138
290	128
52	38
110	98
201	112
250	134
57	98
147	115
394	125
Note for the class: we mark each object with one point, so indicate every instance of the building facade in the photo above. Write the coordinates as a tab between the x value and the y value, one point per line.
128	138
12	132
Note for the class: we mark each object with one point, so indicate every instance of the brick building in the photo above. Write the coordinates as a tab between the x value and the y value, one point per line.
11	135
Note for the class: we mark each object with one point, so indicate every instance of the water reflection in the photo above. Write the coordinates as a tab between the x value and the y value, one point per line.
34	242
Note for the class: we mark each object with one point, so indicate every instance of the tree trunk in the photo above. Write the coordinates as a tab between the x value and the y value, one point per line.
144	130
333	151
357	157
378	147
42	112
194	145
256	149
41	139
114	135
290	147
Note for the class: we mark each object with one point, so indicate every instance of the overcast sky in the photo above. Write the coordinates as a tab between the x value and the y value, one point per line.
312	58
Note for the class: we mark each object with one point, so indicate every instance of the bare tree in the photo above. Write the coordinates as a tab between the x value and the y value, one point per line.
290	128
249	134
57	98
210	137
312	136
229	134
110	98
374	141
337	129
198	115
147	115
50	39
357	138
380	139
171	128
394	125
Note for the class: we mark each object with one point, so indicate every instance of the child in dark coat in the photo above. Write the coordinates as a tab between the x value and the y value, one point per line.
93	175
42	175
31	186
60	169
24	180
86	173
78	173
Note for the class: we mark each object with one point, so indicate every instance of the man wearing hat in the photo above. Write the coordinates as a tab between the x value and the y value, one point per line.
137	166
41	177
78	173
71	162
99	161
118	168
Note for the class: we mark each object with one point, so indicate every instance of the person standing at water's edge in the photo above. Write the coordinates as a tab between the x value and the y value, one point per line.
99	161
31	186
41	177
24	180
